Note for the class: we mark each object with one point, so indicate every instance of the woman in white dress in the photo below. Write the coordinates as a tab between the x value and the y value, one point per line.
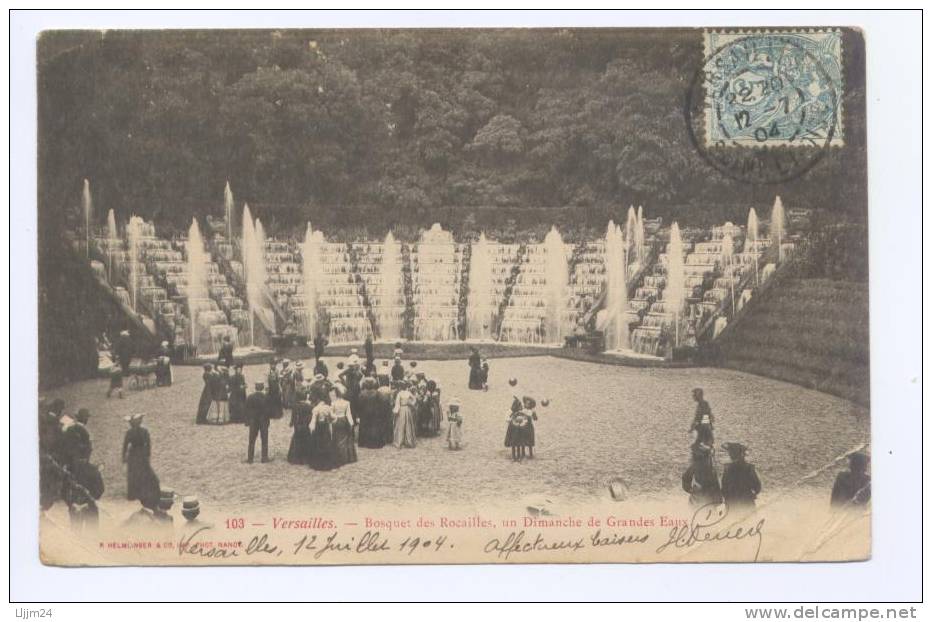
405	429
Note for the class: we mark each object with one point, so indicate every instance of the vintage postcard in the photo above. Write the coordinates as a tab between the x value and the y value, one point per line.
452	296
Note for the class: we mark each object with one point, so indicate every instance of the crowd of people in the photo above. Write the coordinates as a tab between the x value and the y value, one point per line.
361	404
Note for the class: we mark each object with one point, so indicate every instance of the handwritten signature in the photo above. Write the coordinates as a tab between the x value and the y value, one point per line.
700	530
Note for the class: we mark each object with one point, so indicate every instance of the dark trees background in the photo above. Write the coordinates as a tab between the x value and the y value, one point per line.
321	124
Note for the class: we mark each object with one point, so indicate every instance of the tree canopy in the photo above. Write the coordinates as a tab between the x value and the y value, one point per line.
308	122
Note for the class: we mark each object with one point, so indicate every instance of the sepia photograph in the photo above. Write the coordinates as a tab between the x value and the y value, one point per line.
452	296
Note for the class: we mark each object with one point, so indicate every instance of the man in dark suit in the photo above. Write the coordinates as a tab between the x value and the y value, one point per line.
257	418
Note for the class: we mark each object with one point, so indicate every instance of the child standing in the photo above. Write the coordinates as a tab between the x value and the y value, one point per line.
516	434
455	431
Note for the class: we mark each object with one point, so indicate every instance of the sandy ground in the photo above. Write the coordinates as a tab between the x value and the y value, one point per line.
603	422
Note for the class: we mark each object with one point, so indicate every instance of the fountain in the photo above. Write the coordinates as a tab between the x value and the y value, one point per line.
388	311
615	328
228	210
673	293
639	237
435	278
253	256
112	237
311	271
631	226
196	291
750	242
557	276
479	307
728	251
777	226
87	206
133	233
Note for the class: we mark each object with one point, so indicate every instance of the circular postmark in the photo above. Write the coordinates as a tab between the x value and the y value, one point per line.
764	108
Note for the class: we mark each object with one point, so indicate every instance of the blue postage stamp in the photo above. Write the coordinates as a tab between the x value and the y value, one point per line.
773	88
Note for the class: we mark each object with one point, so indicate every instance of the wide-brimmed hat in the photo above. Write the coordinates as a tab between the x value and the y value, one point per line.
190	503
735	448
164	344
529	402
318	377
133	417
299	365
454	403
339	388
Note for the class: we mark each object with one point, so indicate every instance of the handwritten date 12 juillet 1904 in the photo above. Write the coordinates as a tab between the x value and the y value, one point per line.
707	526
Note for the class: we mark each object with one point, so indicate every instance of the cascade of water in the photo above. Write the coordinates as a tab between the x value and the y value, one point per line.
253	256
728	251
197	278
112	236
388	311
631	226
133	232
557	274
750	240
311	270
87	207
479	307
228	210
777	226
616	330
673	293
639	236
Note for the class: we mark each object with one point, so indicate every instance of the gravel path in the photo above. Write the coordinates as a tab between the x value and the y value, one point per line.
603	422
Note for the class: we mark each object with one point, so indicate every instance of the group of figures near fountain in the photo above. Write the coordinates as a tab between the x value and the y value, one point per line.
643	287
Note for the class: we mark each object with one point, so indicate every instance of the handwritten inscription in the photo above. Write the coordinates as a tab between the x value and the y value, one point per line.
707	526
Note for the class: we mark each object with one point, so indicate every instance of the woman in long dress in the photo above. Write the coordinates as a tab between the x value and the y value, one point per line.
299	452
404	431
275	393
237	395
433	404
368	412
322	458
344	444
287	385
475	379
207	394
142	483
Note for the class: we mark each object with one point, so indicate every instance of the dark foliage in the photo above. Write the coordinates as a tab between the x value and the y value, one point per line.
402	126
